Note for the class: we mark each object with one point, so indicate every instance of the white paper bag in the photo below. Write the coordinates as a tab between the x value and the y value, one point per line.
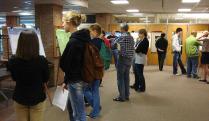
60	98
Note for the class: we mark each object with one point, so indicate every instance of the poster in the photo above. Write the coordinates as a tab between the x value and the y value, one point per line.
62	39
149	37
14	34
155	37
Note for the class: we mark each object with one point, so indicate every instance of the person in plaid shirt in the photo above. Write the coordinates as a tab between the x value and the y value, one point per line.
126	52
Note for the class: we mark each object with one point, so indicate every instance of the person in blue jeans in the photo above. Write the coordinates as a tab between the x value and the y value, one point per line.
92	90
126	53
71	63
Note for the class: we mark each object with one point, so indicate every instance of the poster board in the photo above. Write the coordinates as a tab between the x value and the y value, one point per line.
155	37
14	34
62	39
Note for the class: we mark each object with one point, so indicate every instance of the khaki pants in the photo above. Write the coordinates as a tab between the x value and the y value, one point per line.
29	113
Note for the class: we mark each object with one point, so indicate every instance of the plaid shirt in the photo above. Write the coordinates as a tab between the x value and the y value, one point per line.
126	43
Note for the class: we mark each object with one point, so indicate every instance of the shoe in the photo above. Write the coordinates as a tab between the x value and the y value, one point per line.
207	82
127	99
184	73
203	80
87	104
195	77
177	74
132	86
118	99
189	76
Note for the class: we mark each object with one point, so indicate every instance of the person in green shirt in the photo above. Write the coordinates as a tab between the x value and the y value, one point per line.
192	52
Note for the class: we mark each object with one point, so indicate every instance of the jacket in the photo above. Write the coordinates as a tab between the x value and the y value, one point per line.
72	60
162	44
192	46
176	43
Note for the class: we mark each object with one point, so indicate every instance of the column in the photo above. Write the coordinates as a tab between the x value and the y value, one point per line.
105	20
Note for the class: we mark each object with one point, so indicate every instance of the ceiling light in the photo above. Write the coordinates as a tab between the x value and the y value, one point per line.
190	1
119	2
17	11
25	14
15	7
137	14
184	10
132	10
2	18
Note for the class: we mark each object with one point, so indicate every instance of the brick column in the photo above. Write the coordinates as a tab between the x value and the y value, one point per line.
47	17
12	20
105	20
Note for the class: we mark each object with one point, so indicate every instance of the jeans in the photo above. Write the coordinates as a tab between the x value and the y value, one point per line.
92	96
192	64
139	84
161	58
76	95
115	56
123	69
176	61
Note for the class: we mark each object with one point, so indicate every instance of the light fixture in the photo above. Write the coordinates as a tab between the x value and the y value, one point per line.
15	7
25	14
190	1
137	14
119	2
184	10
133	10
1	18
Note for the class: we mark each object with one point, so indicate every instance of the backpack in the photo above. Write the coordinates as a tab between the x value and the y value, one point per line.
93	68
106	55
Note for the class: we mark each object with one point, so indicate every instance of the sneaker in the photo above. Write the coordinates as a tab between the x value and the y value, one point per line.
189	76
195	77
177	74
203	80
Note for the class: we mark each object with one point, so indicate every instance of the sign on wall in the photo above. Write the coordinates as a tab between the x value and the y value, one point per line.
155	37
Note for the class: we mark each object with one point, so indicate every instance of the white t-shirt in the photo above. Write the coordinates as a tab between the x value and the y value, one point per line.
176	43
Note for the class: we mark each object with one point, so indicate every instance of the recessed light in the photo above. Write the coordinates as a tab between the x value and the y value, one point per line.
137	14
17	11
25	14
184	10
133	10
190	1
15	7
119	2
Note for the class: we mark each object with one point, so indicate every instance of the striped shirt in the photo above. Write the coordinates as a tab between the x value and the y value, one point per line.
126	43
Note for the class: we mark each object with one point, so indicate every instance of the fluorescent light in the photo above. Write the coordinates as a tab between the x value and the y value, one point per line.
119	2
25	14
190	1
132	10
137	14
184	10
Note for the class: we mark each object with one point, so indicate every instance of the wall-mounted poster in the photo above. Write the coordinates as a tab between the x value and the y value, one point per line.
149	37
155	37
14	34
62	39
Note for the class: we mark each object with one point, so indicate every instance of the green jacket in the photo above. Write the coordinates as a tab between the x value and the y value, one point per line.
192	46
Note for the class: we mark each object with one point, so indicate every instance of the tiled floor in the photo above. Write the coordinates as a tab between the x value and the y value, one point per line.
168	98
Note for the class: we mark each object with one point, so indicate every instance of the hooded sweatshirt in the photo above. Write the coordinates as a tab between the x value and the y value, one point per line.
72	60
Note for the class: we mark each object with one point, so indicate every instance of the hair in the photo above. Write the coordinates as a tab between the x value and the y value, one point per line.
194	33
163	35
179	30
28	45
103	32
124	26
143	31
96	27
75	18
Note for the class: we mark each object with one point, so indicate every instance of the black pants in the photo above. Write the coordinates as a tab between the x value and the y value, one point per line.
161	59
139	84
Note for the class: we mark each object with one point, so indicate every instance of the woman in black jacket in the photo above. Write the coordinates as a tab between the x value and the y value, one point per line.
31	73
141	49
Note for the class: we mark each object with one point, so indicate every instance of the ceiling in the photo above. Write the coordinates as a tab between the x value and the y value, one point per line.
104	6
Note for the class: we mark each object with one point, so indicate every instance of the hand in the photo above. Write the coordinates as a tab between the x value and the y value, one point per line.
64	86
160	50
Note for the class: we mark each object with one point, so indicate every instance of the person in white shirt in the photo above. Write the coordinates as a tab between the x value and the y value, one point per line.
176	45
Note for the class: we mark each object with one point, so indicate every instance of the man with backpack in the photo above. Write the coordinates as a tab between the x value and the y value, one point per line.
126	53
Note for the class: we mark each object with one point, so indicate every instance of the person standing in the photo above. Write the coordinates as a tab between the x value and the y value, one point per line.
92	90
141	49
192	52
30	71
161	45
176	44
126	53
205	55
71	63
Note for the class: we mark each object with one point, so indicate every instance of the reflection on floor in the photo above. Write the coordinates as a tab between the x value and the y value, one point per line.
168	98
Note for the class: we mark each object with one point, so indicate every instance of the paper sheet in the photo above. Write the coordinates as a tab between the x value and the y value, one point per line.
60	98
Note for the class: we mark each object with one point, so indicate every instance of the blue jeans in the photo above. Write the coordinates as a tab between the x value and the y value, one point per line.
76	95
139	84
115	56
92	96
192	64
123	69
176	61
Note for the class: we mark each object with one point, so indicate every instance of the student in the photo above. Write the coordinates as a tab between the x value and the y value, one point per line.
161	45
31	73
141	49
71	63
205	55
192	52
92	91
106	41
176	44
126	53
114	48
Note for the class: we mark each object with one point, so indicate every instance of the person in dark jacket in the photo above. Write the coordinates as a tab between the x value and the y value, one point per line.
71	63
141	49
31	73
161	45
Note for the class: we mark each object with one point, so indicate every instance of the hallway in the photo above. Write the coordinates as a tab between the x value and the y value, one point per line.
167	98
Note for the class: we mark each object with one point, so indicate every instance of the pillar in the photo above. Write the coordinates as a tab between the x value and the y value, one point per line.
47	18
12	20
105	20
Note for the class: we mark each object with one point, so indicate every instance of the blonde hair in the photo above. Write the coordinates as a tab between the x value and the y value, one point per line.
96	27
74	17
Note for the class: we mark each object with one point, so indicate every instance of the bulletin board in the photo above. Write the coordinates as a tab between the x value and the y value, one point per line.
155	36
